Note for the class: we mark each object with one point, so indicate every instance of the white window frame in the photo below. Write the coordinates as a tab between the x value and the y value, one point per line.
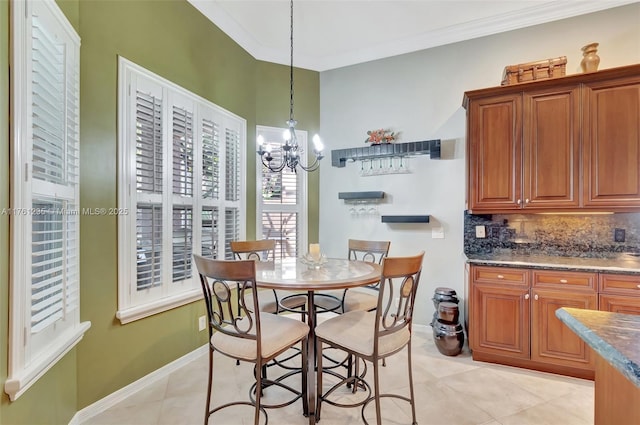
301	207
135	303
34	349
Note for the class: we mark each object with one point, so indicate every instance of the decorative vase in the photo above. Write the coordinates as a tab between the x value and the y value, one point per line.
590	60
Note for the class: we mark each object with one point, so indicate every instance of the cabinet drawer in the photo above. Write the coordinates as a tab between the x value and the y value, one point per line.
501	275
620	284
561	279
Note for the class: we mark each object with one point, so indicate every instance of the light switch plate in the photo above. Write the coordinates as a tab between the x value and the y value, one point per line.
481	232
437	233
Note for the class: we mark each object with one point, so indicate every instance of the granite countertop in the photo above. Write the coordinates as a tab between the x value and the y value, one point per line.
614	336
621	263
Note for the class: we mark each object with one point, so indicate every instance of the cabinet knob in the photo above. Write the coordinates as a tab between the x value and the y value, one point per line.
535	297
638	286
526	201
526	296
502	277
518	202
563	280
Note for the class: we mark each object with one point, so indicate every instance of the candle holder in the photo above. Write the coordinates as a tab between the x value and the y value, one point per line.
314	261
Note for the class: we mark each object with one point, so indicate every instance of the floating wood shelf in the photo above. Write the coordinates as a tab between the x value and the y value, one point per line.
405	218
339	157
347	196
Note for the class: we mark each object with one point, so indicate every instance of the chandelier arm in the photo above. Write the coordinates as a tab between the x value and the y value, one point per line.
314	165
271	168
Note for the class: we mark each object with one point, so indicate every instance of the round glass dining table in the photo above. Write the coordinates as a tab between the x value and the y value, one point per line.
295	274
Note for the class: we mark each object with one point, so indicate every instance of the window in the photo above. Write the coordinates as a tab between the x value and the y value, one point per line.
282	200
45	295
180	190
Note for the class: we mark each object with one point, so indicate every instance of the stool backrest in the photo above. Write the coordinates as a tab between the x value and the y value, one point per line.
261	250
217	278
398	286
370	251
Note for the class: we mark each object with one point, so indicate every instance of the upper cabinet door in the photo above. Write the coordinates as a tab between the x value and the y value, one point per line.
612	143
551	166
495	153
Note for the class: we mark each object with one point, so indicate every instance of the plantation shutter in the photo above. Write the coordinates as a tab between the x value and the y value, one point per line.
55	170
149	187
44	296
149	246
232	188
186	156
210	160
210	139
183	190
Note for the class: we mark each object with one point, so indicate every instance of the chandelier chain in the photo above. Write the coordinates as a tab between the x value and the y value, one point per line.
291	68
290	152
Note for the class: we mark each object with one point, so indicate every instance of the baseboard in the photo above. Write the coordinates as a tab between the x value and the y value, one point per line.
121	394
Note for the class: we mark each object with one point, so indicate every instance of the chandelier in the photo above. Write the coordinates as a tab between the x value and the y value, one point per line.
291	151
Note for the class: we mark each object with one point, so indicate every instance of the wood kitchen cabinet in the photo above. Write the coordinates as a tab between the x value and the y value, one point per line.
499	311
512	318
524	150
551	341
551	146
562	144
495	152
612	143
619	293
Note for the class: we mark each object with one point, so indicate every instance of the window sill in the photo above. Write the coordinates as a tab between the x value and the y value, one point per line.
17	384
131	314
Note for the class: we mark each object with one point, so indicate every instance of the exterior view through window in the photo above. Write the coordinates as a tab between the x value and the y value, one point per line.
282	198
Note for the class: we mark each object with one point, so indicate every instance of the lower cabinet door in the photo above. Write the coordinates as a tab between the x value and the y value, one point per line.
499	320
551	340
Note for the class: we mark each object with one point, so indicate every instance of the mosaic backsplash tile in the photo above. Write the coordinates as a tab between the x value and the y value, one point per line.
570	235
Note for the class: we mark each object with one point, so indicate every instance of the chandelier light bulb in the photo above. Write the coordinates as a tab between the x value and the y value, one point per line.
267	148
286	135
317	143
260	140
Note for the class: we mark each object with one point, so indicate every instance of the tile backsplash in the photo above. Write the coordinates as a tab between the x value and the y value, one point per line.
572	235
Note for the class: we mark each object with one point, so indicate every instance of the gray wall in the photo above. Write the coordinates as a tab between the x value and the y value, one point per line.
420	95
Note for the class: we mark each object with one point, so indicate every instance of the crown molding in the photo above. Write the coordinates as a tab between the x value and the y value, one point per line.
526	17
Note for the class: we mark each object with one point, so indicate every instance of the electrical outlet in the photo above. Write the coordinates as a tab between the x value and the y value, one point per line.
618	235
202	323
481	232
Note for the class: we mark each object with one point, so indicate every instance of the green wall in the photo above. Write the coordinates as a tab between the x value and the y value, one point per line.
172	39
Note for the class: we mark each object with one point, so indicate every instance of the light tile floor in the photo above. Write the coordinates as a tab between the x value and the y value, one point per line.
449	391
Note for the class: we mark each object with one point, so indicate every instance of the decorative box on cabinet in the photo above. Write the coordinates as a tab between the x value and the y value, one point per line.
512	318
619	293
